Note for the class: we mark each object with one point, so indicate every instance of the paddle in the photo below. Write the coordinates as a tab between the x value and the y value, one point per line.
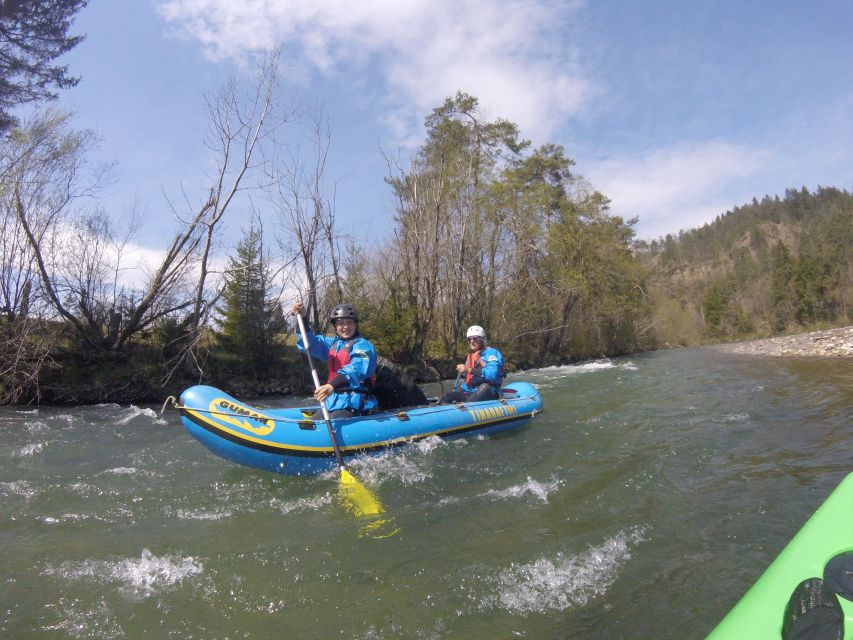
456	384
354	495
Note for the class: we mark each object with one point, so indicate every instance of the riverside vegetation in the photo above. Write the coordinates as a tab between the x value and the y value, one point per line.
487	230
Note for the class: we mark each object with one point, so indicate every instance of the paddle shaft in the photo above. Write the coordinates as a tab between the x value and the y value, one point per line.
326	415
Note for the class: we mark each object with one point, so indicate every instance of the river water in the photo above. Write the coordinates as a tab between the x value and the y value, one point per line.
645	499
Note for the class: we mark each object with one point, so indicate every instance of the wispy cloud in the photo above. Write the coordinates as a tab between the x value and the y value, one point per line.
677	188
512	55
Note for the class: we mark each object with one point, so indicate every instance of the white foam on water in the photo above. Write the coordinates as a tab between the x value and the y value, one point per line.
201	514
535	488
67	517
587	367
731	417
143	576
85	489
134	412
561	582
130	471
428	445
562	371
36	426
29	450
123	471
406	463
312	503
20	488
80	620
31	412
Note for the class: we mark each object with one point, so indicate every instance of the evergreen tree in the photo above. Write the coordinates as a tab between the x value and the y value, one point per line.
250	319
33	33
714	307
782	270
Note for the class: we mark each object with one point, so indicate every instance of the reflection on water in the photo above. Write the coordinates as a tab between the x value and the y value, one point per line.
646	498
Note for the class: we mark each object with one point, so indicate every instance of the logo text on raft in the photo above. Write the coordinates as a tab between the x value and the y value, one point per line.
491	413
235	414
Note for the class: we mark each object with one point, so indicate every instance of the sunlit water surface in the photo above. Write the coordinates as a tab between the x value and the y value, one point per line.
647	497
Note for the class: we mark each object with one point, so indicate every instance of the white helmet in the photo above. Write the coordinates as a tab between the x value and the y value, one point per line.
476	331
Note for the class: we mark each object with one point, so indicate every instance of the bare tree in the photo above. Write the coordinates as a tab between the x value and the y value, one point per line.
240	128
78	258
78	274
421	242
306	214
41	165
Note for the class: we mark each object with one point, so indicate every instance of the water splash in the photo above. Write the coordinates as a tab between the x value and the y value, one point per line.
20	488
570	369
29	450
408	464
68	517
36	426
143	577
730	418
535	488
561	582
85	489
314	503
79	620
548	377
135	472
133	412
202	514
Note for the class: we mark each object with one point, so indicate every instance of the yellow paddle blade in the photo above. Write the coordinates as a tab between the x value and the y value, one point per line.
357	498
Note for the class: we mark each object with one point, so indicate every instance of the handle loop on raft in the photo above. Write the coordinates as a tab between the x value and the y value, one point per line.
170	401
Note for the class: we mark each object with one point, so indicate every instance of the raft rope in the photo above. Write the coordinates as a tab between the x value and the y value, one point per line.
170	401
173	403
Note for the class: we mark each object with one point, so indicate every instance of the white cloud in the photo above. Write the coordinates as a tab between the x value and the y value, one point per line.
512	54
677	188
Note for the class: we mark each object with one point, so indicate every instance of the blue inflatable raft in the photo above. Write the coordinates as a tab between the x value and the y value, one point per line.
287	441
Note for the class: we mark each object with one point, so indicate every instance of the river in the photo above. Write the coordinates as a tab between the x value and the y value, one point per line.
645	499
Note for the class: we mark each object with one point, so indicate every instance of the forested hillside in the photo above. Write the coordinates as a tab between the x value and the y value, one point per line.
772	266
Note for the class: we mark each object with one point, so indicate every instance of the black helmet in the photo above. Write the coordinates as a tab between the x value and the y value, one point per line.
343	311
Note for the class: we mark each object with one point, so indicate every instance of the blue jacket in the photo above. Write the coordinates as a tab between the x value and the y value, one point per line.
358	373
491	372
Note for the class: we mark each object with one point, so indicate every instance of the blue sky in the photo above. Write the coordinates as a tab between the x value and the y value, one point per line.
676	110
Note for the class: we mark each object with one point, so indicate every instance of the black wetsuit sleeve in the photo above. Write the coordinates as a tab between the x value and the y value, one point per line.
339	382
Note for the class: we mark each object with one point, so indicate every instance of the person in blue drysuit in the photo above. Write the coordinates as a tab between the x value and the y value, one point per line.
483	369
352	364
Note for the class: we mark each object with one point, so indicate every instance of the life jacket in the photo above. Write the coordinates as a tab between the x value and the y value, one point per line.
341	357
474	367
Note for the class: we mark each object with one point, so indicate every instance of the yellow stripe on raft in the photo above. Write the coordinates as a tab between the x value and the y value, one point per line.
267	443
482	417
